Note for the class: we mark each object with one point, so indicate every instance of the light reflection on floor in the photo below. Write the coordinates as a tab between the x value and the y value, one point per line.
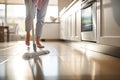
62	63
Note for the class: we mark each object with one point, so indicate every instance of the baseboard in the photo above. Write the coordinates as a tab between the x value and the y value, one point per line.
105	49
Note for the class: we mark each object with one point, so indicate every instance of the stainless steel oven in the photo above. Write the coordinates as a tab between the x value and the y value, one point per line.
88	20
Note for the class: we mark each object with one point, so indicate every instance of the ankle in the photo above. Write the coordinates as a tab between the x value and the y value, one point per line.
27	38
38	38
27	33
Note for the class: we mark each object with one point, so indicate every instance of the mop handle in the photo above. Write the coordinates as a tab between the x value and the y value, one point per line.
31	15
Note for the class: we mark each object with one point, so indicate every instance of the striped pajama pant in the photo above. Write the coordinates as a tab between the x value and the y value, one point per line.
40	15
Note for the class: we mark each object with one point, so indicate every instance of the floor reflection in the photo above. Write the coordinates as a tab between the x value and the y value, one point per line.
36	68
2	71
62	63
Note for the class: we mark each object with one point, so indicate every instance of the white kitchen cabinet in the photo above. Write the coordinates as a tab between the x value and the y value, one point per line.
68	27
51	31
70	23
62	27
78	25
108	22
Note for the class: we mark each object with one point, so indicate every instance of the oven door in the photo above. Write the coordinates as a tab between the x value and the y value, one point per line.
88	20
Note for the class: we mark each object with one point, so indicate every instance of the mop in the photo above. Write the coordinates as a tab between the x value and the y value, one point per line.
29	55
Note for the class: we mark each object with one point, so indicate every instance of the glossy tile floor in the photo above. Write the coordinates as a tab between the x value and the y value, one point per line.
62	63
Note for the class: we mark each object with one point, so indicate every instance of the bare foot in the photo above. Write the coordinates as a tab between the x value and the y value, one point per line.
38	42
27	38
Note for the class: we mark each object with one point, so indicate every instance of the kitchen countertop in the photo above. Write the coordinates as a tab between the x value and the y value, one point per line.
67	7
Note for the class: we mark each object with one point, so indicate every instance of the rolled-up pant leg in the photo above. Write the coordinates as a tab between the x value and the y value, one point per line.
29	15
40	18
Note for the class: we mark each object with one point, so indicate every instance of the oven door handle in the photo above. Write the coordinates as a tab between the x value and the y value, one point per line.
88	4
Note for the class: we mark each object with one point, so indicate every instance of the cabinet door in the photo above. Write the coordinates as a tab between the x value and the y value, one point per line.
62	27
68	26
77	25
108	22
73	26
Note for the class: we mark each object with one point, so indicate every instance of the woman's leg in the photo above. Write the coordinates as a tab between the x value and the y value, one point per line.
40	22
30	14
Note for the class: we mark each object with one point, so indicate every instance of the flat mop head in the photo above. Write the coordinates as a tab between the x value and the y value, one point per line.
30	55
